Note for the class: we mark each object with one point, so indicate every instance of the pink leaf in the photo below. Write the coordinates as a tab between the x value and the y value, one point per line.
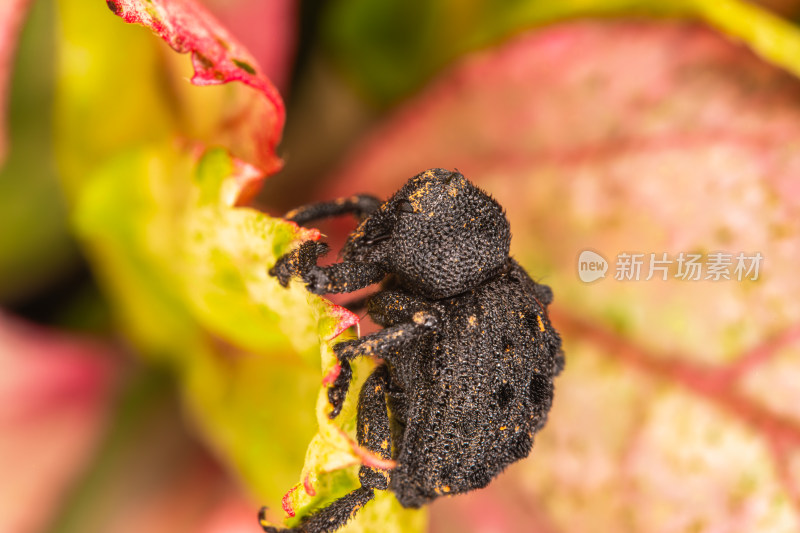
55	395
678	405
217	58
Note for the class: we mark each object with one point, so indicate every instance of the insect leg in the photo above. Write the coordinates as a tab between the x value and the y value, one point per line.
373	429
361	205
343	277
390	307
373	432
298	262
339	277
379	344
338	389
328	518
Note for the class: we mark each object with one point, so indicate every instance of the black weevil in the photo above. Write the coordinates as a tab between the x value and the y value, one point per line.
468	352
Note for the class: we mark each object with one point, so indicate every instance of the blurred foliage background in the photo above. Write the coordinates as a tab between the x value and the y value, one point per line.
156	379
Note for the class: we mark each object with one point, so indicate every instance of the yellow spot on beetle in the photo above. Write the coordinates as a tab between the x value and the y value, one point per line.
541	324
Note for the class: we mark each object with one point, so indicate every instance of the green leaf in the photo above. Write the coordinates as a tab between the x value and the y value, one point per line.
189	275
190	283
186	270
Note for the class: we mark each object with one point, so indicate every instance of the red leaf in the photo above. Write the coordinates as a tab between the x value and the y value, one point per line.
267	28
217	58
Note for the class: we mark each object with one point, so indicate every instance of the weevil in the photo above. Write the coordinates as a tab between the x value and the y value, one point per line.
467	351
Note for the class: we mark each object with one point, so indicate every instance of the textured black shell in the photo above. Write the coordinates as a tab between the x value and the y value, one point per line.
466	356
471	394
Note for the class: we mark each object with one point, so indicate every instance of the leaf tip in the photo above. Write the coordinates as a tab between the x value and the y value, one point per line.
344	319
247	180
309	234
333	373
307	486
366	457
286	501
114	7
